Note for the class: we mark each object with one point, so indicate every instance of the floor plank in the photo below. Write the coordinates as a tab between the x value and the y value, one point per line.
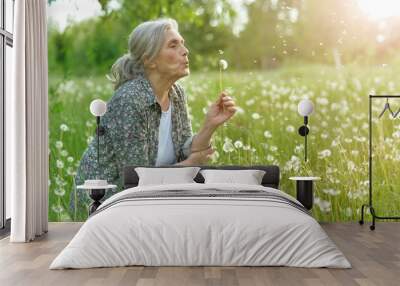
374	255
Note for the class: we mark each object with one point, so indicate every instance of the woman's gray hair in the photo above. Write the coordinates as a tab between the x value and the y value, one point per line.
145	41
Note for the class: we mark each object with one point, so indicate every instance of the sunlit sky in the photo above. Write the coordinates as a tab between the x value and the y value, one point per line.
62	12
380	9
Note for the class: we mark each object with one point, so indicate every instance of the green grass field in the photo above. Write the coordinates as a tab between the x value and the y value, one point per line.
264	131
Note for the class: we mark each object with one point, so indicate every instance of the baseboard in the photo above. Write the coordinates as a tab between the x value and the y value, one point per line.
5	231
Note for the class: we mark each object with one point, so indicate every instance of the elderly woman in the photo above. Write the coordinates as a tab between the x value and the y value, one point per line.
147	122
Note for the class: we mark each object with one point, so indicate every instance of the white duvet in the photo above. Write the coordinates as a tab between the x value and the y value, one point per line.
200	231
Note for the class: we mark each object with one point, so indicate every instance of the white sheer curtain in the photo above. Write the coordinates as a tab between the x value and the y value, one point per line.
27	124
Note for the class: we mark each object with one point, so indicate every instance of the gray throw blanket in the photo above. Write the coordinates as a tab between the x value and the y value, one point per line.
206	194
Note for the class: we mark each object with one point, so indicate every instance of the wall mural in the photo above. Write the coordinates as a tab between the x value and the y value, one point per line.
267	55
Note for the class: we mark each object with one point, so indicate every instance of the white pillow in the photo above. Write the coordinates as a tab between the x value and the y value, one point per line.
163	176
249	177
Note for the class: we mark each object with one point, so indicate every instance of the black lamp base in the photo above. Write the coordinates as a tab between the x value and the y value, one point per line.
96	195
305	193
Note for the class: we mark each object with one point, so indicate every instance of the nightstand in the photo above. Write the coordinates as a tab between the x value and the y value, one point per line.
96	193
304	190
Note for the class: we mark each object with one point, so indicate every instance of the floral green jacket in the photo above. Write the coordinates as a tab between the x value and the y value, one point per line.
131	135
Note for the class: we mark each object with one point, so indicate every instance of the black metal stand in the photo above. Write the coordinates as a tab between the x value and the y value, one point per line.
369	205
303	131
96	195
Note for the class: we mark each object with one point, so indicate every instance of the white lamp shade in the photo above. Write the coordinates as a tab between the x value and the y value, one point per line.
98	107
305	107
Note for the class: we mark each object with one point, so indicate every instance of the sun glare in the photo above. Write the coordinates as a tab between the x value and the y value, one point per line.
380	9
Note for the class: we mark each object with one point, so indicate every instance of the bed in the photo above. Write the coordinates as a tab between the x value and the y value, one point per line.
201	224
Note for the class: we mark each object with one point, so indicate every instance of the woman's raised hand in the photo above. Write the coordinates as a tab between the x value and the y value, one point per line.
221	110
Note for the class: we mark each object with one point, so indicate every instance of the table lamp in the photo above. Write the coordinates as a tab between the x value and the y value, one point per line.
305	108
98	108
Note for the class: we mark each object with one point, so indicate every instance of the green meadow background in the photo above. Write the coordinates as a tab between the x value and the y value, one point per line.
278	58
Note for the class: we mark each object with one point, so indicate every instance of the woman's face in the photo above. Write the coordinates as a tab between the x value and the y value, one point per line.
172	62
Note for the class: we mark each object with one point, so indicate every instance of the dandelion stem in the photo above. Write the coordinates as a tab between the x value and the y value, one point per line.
220	85
220	79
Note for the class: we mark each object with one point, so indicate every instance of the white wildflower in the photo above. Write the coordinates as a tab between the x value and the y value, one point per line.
238	144
267	134
59	192
89	139
255	116
348	140
89	123
331	192
64	127
246	147
351	166
214	157
324	135
60	164
273	148
223	64
290	128
57	208
59	144
250	102
334	143
270	158
324	153
228	147
298	149
70	171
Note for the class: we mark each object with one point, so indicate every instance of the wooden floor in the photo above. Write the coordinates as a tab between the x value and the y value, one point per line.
374	255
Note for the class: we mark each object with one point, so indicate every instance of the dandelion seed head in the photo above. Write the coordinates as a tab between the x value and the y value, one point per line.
255	116
228	147
267	134
238	144
60	164
59	144
324	154
59	192
64	127
290	128
223	64
57	208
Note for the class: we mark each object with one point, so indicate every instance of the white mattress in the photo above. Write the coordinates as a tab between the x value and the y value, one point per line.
200	231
